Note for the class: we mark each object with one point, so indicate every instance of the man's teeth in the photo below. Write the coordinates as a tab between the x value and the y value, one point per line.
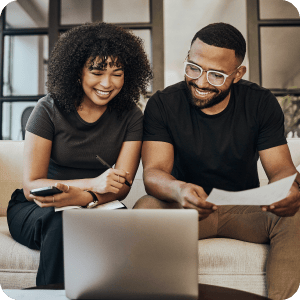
102	93
202	93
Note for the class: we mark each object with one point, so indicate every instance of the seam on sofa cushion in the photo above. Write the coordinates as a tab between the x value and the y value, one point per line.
232	274
17	271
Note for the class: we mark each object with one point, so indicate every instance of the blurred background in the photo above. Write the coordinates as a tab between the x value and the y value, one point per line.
30	28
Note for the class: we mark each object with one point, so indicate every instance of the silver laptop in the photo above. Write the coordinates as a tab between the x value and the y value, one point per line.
131	254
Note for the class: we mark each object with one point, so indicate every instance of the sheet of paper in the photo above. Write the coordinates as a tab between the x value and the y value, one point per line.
109	205
264	195
36	294
66	208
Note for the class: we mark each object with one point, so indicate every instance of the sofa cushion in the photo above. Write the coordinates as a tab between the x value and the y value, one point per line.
14	256
137	189
229	256
233	263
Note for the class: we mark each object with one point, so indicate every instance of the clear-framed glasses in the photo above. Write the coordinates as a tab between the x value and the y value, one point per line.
213	77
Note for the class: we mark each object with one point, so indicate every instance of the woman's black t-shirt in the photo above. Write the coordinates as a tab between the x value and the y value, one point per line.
75	143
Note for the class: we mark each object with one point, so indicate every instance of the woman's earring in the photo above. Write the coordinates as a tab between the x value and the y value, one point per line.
79	81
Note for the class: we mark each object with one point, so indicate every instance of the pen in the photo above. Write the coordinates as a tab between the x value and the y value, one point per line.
108	166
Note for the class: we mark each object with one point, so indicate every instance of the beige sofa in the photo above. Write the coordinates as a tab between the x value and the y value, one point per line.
224	262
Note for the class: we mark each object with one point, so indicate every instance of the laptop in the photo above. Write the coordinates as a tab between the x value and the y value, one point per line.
131	254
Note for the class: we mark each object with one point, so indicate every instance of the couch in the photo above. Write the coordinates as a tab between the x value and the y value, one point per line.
224	262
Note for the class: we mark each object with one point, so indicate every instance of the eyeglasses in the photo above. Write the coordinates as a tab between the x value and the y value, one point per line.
213	77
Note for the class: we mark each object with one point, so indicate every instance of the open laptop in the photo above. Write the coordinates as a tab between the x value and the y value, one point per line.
131	254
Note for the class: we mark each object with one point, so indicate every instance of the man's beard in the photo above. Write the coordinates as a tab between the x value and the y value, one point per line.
201	104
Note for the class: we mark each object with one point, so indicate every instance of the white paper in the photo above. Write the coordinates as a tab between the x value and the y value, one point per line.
109	205
36	294
264	195
65	208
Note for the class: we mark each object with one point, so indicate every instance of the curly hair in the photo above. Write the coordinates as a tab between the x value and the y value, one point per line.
223	35
83	45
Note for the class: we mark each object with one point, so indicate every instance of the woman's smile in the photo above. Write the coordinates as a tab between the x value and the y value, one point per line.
101	81
103	93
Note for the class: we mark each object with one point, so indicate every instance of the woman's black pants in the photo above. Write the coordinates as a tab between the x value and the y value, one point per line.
41	229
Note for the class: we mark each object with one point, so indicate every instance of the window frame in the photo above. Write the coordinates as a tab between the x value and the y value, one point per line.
254	23
55	28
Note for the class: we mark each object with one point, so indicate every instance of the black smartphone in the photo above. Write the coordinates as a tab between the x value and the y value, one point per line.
46	191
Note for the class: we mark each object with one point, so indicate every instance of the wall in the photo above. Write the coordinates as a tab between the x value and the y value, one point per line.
183	18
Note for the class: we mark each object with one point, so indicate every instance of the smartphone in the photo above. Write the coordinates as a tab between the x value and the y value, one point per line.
46	191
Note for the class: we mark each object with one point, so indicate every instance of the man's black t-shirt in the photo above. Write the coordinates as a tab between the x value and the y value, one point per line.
216	151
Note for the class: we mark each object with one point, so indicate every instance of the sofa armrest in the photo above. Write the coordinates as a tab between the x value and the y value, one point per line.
294	146
11	166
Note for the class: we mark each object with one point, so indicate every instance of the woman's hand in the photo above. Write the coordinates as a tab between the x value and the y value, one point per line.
71	196
111	181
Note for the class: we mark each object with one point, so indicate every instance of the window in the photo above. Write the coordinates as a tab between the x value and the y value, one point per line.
29	30
273	50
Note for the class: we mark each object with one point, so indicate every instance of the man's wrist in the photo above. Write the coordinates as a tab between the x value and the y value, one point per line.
177	187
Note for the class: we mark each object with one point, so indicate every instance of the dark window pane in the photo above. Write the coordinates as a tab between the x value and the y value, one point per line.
25	65
280	55
24	14
76	11
11	123
126	11
277	9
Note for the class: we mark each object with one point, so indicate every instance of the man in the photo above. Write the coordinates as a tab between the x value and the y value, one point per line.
208	132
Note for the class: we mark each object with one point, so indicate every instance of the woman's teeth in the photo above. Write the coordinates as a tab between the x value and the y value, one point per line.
101	93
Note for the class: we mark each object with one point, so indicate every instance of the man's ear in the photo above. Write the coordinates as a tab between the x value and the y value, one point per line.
188	54
239	74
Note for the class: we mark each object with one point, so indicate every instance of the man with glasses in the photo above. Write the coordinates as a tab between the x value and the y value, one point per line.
207	132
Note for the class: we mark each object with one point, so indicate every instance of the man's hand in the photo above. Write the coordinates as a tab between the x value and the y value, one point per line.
288	206
193	196
278	164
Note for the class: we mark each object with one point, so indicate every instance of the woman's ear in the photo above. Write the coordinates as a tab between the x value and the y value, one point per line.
239	74
79	78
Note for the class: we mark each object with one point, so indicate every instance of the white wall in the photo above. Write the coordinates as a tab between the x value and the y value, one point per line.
183	18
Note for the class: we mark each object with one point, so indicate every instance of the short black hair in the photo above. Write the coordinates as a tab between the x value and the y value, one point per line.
81	46
223	35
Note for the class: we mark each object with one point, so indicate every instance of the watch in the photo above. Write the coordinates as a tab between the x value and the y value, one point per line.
94	202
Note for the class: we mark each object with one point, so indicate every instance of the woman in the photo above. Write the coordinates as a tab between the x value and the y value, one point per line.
96	75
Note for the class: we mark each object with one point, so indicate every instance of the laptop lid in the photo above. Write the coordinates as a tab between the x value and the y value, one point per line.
131	254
